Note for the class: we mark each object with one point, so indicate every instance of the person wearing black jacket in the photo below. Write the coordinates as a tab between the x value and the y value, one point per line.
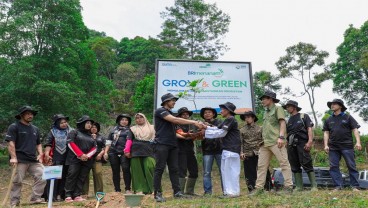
187	159
211	149
97	165
80	158
56	150
114	150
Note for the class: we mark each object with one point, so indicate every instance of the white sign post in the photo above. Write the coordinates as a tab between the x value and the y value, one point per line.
52	173
222	82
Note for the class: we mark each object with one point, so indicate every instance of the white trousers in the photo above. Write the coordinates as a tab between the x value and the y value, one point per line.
230	171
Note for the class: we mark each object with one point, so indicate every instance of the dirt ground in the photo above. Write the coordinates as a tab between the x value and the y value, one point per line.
111	199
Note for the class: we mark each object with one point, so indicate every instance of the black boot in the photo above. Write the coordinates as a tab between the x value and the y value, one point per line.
158	197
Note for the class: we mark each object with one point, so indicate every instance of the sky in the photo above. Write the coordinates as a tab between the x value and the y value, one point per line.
259	31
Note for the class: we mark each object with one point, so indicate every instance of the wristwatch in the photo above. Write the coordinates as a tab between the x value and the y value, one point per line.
281	137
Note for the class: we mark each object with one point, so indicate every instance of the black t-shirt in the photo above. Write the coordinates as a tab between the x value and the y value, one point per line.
26	139
118	137
186	145
212	146
231	142
165	130
299	126
340	128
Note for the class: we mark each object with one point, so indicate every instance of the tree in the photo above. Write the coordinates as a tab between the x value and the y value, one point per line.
45	62
350	72
195	28
144	95
262	81
105	49
142	53
302	62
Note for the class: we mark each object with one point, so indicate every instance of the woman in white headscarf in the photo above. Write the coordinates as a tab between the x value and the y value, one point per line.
139	148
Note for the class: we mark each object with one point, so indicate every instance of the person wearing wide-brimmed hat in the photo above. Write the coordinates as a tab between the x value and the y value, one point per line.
23	145
273	133
82	148
166	145
230	160
251	140
211	149
338	141
114	151
99	159
187	160
55	153
300	138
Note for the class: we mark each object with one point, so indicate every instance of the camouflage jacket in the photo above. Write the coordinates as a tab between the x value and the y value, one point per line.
251	139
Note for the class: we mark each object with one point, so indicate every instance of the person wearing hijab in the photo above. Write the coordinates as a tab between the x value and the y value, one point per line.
56	150
97	165
80	158
114	151
139	148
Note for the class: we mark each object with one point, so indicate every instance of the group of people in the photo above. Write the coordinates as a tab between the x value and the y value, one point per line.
142	151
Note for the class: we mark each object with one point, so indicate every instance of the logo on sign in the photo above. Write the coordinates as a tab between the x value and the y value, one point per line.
218	73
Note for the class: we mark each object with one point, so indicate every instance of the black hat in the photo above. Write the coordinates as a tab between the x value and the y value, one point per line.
229	106
24	109
338	101
183	110
124	116
270	94
248	113
293	103
59	116
208	108
97	125
83	119
167	97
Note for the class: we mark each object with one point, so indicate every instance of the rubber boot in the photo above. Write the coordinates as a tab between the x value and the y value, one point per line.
189	187
298	181
182	182
312	179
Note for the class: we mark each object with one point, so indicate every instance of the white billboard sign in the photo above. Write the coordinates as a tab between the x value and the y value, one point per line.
221	82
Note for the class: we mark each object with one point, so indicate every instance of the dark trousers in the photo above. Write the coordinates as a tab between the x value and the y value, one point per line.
77	175
349	157
187	162
59	184
165	154
250	173
117	161
299	157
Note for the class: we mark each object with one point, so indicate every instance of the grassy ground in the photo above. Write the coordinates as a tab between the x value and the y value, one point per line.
322	198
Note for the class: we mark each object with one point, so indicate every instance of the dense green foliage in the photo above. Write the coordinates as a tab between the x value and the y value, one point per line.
195	28
262	81
46	62
350	72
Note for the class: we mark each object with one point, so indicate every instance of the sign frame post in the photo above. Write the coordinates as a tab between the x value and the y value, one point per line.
51	173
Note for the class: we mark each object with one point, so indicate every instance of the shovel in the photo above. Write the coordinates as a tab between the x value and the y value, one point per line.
99	197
